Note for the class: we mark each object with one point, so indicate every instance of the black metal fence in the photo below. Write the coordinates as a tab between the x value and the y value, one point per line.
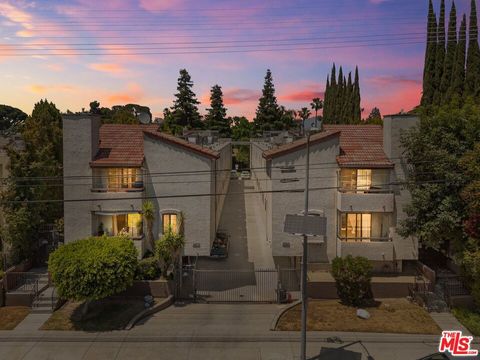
254	286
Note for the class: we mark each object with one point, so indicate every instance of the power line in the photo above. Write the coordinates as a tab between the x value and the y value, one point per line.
215	41
147	197
106	53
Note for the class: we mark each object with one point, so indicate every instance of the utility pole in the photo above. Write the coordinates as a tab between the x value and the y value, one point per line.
303	349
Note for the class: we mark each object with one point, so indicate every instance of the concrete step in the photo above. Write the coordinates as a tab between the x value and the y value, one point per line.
44	302
41	310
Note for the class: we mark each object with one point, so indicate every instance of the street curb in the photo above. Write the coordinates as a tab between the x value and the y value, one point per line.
147	312
279	314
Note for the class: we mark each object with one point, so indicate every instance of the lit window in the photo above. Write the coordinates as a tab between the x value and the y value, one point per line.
123	178
355	227
170	222
364	179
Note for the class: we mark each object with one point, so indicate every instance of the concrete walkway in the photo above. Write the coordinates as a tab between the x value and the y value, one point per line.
259	250
446	321
201	331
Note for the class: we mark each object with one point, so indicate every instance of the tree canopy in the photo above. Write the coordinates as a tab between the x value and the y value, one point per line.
41	157
216	118
11	118
184	111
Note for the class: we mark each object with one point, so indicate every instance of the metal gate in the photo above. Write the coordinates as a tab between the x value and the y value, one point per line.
254	286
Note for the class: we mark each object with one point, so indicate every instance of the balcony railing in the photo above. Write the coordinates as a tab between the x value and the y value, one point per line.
364	240
136	186
370	190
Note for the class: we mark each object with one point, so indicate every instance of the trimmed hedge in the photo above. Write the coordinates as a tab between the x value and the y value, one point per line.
93	268
353	277
148	269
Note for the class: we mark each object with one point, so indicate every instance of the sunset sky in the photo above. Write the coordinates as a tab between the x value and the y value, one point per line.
121	51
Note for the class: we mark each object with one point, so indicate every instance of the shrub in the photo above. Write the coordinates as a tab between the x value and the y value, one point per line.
168	249
147	269
352	277
93	268
1	274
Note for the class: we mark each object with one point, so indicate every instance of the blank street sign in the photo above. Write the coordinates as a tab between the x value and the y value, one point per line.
312	225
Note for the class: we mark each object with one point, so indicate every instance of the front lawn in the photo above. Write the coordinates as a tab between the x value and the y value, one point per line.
470	319
389	316
11	316
105	315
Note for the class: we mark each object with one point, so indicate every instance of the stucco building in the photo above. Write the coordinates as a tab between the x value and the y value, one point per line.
355	171
111	169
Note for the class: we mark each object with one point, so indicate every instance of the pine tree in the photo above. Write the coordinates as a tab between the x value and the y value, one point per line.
458	77
184	109
450	55
267	111
357	111
430	55
472	74
440	55
216	118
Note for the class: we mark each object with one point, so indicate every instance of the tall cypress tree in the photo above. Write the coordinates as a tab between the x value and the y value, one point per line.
326	100
357	111
184	109
430	56
268	111
216	118
332	97
472	74
340	98
451	50
458	76
440	55
347	113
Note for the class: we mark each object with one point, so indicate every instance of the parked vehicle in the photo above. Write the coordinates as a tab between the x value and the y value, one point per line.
245	175
233	174
220	245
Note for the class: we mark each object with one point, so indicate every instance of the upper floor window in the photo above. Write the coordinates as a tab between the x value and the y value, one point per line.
117	179
363	226
363	180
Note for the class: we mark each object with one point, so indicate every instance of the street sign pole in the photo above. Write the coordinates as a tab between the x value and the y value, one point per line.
303	349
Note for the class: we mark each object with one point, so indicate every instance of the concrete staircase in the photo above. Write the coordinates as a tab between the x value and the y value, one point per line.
45	302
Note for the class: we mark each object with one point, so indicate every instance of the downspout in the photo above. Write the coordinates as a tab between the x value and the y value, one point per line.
215	198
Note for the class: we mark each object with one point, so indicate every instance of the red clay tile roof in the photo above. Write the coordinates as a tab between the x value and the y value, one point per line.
122	145
361	146
297	144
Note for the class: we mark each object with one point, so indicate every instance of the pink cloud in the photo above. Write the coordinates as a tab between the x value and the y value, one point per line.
160	5
391	99
301	95
132	94
237	96
44	89
397	80
111	68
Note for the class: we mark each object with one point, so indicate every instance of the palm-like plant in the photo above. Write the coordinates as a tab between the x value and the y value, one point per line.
316	105
304	113
149	216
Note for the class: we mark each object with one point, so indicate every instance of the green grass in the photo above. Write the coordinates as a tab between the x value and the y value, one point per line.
469	318
105	315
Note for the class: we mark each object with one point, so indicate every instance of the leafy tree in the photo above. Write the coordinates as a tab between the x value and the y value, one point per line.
353	279
316	105
287	119
149	216
440	55
168	249
242	129
41	157
11	118
472	76
216	118
93	268
95	107
267	111
450	54
436	212
184	110
375	117
430	56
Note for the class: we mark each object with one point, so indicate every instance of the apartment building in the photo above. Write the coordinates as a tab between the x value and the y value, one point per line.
355	171
111	169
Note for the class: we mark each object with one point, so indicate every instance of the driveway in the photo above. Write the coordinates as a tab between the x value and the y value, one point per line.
242	219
